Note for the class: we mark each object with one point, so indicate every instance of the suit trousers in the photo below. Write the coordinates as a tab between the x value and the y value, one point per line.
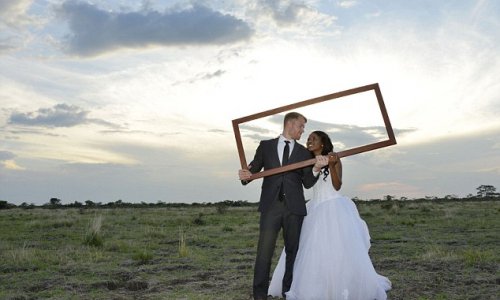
278	216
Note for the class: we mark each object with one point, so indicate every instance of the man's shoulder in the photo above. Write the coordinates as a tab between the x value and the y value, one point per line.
300	146
302	149
270	141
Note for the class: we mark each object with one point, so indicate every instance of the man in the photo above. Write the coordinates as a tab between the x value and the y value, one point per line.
282	202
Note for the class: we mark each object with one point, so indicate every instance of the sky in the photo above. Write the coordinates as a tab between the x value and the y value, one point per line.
134	100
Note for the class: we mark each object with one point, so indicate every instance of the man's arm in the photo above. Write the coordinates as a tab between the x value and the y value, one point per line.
254	167
311	174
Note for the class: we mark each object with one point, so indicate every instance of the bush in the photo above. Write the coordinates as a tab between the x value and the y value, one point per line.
6	205
199	220
221	208
143	256
93	236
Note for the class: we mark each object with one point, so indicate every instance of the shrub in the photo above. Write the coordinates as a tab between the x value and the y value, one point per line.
227	228
199	220
221	208
183	250
93	236
143	256
386	204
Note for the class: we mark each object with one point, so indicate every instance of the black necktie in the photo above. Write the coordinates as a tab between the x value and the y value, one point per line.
284	161
286	153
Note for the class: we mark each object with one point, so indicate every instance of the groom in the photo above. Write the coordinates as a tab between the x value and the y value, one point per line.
282	202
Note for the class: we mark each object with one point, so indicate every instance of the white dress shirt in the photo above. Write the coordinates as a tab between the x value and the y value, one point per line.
281	147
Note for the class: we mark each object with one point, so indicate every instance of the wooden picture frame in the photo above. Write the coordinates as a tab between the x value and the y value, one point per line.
356	150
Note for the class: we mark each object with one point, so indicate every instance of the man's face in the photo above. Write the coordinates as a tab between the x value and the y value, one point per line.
297	128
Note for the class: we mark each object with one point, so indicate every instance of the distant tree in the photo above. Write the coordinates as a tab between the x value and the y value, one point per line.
486	191
25	205
55	201
77	204
4	204
388	197
89	203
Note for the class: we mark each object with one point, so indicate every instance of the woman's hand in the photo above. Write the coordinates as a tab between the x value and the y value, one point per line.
321	161
333	158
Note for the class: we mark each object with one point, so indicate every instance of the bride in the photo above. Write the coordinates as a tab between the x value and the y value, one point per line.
332	261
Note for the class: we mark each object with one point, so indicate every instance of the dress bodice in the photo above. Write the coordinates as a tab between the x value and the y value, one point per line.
323	189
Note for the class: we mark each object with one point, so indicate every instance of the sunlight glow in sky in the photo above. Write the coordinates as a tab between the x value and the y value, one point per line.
133	100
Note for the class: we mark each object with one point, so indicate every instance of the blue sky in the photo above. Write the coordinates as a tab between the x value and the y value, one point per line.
133	100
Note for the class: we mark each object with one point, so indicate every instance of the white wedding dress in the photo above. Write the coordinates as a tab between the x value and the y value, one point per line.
333	261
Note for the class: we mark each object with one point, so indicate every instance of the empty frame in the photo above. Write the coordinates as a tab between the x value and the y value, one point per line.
391	139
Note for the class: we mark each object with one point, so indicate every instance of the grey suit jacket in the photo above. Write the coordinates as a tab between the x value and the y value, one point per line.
266	157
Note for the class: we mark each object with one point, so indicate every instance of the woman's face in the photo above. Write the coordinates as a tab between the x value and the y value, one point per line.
314	144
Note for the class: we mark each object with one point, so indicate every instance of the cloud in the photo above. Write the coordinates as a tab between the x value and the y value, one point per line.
14	20
94	31
344	136
347	3
7	161
290	13
6	155
11	165
9	44
60	115
397	188
215	130
217	73
201	77
13	13
285	11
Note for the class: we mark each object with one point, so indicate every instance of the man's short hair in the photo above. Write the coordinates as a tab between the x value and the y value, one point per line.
293	116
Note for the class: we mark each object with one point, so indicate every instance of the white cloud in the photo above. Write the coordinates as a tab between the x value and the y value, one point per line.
13	13
347	3
291	20
11	165
7	161
14	21
389	188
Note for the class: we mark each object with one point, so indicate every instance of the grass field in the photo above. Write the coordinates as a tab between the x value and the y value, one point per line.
428	249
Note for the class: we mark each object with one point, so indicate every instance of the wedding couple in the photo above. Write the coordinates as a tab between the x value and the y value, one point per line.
332	261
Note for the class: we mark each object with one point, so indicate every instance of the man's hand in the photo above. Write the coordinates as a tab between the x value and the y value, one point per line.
244	174
321	161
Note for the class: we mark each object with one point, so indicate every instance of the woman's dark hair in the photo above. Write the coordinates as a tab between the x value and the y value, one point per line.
327	148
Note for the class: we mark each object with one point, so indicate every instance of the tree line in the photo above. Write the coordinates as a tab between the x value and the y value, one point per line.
484	192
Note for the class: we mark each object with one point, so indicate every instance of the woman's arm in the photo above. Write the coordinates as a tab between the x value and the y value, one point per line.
335	166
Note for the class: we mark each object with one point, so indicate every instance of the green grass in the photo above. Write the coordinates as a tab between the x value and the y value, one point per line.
429	250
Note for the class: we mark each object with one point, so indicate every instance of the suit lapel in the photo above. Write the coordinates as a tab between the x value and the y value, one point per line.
276	158
294	156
